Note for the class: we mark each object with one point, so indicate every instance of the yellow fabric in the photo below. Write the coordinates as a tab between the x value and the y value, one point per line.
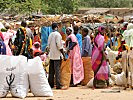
30	43
119	42
23	28
127	48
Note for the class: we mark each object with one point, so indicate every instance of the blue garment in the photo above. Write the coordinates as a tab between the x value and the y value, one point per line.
87	47
79	38
2	48
45	32
113	40
64	29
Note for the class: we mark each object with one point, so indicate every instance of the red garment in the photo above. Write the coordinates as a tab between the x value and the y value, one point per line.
37	39
120	48
1	36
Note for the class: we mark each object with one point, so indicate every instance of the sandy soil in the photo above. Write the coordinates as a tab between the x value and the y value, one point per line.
83	93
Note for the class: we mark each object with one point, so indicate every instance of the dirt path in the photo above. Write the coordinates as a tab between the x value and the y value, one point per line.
83	93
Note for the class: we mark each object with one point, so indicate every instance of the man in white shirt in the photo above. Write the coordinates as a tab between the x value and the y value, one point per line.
56	51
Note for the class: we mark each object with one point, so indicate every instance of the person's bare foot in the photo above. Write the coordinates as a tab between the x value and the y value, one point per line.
125	88
64	88
93	88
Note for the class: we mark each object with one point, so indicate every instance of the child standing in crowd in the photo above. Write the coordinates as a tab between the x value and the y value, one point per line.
87	46
86	56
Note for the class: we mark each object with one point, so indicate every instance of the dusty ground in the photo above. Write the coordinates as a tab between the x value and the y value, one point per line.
83	93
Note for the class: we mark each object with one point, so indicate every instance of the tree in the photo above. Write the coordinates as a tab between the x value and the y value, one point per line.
20	6
46	6
60	6
57	6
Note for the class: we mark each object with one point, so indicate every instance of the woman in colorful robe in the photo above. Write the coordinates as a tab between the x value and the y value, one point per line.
22	42
77	69
99	64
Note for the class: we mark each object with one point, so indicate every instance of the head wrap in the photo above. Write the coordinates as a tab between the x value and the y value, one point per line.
130	26
101	29
36	43
70	28
125	23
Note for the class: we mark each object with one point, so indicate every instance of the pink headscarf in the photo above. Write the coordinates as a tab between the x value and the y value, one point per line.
101	29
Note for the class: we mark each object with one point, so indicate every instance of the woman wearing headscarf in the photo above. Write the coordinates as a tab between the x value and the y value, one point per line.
8	38
77	70
99	63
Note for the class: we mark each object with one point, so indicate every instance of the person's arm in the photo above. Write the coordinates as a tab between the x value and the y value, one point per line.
67	41
16	42
60	45
84	53
104	53
32	36
48	46
73	45
62	52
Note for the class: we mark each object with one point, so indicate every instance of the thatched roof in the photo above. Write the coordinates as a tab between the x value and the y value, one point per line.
97	11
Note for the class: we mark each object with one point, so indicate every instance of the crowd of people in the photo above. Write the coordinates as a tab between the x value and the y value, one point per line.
80	43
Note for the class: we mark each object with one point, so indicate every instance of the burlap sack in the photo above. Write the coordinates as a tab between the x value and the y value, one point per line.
65	73
88	72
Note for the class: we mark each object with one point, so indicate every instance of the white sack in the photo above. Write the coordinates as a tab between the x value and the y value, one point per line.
21	83
38	82
4	63
90	83
111	56
120	79
13	65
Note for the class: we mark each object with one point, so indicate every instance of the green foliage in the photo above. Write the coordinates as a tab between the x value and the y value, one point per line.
20	6
60	6
46	6
107	3
57	6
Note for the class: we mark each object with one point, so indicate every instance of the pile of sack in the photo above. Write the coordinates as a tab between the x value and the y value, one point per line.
17	75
